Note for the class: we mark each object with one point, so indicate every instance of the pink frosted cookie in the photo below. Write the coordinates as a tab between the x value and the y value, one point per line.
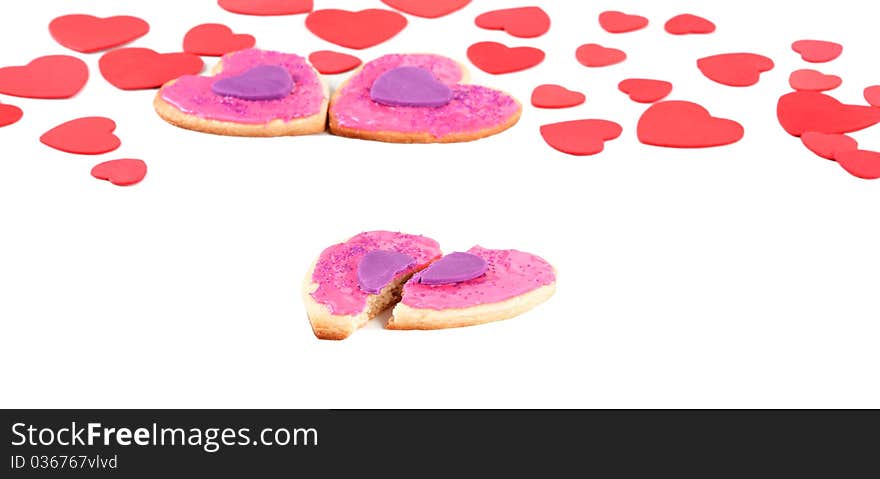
418	98
353	282
480	286
252	93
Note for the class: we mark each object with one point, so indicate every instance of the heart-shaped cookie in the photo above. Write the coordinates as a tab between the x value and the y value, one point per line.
246	97
144	69
214	40
472	111
427	8
124	172
735	69
509	283
53	76
352	282
682	124
803	111
267	7
357	30
580	137
643	90
84	136
87	33
9	114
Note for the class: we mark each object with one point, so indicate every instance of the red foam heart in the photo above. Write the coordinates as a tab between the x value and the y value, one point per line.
645	91
860	163
522	22
331	63
687	24
872	95
802	111
142	68
9	114
817	51
811	80
828	146
54	76
357	30
91	135
682	124
427	8
87	34
735	69
215	40
580	137
595	55
555	96
619	22
125	172
267	7
495	58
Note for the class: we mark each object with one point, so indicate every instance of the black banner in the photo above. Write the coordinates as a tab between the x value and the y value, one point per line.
838	444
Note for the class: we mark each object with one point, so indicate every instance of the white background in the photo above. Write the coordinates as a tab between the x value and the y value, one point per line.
743	276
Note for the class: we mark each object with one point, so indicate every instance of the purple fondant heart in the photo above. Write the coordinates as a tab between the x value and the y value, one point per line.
410	86
378	268
264	82
454	268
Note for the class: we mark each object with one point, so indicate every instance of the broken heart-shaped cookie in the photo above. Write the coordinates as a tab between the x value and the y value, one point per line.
252	93
476	287
354	281
419	98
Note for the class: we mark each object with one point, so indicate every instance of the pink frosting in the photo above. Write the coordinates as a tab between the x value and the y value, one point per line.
336	269
511	273
192	93
472	108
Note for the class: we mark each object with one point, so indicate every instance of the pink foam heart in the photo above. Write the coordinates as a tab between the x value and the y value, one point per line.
87	34
214	39
645	91
817	51
53	76
687	24
811	80
872	95
619	22
124	172
9	114
496	58
580	137
682	124
860	163
522	22
595	55
556	96
828	145
803	111
85	136
735	69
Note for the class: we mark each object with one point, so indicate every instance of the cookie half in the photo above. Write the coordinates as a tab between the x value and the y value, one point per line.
352	282
252	93
461	293
419	98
